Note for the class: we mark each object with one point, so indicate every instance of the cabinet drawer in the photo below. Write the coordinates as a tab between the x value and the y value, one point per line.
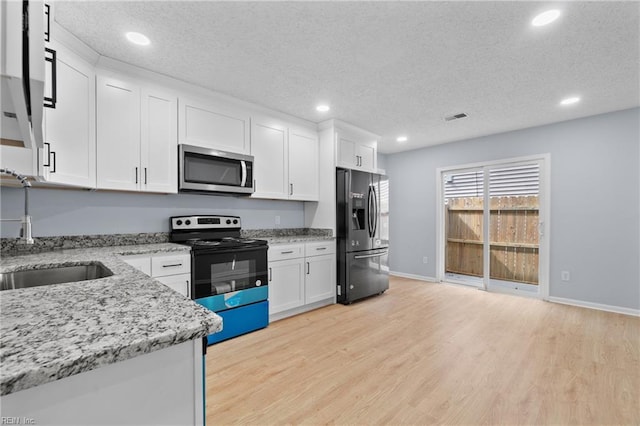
285	251
319	248
172	264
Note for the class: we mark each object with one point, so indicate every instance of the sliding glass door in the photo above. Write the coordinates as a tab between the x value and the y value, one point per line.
491	223
464	226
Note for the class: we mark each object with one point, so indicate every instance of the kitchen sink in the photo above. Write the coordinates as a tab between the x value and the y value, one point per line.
53	275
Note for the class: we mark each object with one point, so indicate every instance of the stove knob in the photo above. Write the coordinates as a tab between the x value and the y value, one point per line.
228	221
187	222
235	221
178	222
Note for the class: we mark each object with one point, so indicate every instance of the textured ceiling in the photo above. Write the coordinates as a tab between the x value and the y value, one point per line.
389	67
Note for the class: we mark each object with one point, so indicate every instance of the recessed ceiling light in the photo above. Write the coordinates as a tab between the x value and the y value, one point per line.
138	38
570	101
545	18
401	139
322	108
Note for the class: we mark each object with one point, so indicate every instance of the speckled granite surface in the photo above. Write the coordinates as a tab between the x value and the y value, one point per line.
289	235
11	246
296	239
41	244
51	332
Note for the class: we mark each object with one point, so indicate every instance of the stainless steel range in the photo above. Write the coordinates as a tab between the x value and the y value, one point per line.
228	273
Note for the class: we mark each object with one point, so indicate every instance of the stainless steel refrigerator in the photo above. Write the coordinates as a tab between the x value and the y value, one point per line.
362	206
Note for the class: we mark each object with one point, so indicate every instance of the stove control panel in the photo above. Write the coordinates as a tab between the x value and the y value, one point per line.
205	222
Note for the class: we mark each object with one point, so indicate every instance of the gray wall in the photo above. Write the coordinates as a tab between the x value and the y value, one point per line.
78	212
595	205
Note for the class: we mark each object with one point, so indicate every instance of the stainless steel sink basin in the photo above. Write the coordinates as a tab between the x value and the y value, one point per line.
55	275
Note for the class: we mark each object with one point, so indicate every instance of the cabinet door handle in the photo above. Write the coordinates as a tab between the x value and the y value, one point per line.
321	248
48	154
290	189
145	175
308	268
50	102
136	175
286	252
47	12
172	265
53	154
270	275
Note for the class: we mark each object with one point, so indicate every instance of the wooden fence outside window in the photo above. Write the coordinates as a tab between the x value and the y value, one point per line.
514	242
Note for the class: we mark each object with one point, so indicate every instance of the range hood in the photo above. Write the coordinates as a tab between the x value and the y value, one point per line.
22	71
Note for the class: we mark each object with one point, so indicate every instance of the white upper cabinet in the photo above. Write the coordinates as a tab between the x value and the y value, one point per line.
158	142
212	125
269	149
136	137
69	155
286	160
303	165
356	152
118	134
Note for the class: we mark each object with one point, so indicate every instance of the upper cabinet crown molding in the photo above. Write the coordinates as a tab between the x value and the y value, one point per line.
71	42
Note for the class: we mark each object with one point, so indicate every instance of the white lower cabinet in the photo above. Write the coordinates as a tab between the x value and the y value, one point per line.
286	285
319	281
180	283
301	277
171	269
165	386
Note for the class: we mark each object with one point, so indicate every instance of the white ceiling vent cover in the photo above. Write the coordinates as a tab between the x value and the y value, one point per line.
455	117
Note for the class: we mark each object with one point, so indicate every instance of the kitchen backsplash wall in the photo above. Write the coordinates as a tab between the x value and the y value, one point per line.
80	212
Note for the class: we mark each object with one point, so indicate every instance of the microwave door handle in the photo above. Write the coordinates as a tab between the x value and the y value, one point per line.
243	182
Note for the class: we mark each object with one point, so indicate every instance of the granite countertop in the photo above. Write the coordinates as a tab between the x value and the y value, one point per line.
290	235
56	331
297	239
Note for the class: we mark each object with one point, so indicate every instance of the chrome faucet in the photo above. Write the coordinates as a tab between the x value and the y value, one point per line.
25	231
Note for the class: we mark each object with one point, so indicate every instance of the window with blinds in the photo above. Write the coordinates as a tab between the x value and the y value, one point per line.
521	180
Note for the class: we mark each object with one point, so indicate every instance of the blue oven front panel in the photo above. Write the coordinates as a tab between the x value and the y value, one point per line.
234	299
241	311
241	320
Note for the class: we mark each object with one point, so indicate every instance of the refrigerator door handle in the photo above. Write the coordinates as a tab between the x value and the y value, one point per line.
376	212
370	212
366	256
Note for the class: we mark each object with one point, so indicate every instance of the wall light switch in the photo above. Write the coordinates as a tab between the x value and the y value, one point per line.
565	276
277	220
425	260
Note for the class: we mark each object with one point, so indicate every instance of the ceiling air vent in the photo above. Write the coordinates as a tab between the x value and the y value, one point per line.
455	117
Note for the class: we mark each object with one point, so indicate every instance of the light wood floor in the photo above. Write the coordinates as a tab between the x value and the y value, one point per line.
426	353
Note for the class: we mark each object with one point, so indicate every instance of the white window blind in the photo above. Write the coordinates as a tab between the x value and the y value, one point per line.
514	181
461	185
508	181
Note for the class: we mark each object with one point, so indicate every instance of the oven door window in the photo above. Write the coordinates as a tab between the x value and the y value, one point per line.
210	170
230	271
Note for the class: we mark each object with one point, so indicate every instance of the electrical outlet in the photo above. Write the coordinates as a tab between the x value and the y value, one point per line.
425	260
277	220
565	276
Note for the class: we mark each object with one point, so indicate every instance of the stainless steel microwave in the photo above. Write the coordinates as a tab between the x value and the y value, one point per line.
209	170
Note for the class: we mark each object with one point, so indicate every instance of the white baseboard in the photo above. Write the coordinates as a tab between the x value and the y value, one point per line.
413	277
598	306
